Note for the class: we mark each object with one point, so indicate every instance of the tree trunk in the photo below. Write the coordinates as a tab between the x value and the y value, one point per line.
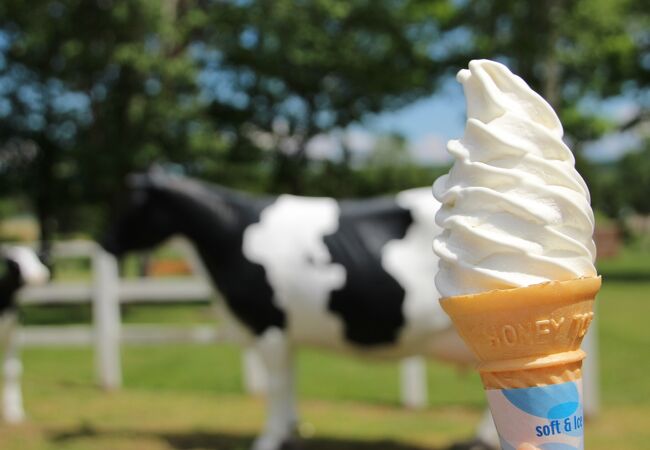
552	68
45	199
288	173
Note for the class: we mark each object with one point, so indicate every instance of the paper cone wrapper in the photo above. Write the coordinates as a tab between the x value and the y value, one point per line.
527	341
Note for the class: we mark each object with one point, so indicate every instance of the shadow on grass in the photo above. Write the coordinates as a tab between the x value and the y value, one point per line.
206	440
626	276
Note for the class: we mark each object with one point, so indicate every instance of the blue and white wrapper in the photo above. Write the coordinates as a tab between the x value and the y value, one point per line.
544	418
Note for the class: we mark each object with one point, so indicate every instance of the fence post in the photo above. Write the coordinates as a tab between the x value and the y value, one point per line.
255	379
590	371
106	320
413	382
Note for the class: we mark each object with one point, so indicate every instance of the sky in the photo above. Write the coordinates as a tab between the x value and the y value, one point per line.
429	123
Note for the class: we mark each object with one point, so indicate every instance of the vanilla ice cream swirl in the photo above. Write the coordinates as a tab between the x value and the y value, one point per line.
515	211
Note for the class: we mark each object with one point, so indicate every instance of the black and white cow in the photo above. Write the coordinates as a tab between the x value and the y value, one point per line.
19	266
353	275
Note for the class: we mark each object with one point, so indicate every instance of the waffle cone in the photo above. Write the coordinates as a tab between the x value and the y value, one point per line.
528	336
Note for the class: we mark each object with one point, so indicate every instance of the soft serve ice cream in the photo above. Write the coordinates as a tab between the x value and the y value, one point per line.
517	272
515	212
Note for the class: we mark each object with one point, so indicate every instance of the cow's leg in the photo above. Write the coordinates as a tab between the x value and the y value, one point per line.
486	436
12	394
12	399
486	433
448	346
274	349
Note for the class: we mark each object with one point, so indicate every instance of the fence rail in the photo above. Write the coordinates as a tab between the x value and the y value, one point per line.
83	335
129	291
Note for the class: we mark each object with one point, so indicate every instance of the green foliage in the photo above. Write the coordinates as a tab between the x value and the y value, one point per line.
634	180
566	50
575	53
233	91
389	151
296	69
633	263
622	187
99	90
603	185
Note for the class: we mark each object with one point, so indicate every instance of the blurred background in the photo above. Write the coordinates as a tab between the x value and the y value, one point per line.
312	97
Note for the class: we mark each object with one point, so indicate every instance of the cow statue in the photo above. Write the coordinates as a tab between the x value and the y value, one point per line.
350	275
19	266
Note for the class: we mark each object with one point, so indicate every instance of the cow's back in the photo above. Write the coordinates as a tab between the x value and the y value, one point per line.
390	302
288	241
356	274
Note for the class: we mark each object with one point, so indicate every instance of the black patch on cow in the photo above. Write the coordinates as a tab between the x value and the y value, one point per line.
242	282
10	281
370	302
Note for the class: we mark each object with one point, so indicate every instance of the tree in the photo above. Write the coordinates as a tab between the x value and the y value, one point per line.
295	69
634	180
289	70
234	90
568	51
100	88
389	151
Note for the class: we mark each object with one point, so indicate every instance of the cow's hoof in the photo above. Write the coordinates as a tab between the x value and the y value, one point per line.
475	444
270	442
293	443
14	417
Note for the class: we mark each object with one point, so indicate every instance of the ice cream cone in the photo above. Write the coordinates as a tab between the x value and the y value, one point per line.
527	341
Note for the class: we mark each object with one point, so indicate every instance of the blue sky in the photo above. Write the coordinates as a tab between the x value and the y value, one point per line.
442	114
429	123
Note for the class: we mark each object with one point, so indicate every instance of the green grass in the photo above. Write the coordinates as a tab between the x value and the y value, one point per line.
623	314
632	264
217	369
186	313
182	397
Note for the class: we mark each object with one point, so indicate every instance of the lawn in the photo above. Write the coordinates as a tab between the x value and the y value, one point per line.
186	397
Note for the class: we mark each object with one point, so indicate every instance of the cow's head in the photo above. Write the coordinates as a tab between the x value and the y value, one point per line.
19	267
144	220
25	263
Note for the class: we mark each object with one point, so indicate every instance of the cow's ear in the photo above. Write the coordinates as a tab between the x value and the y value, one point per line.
156	168
138	181
157	175
139	189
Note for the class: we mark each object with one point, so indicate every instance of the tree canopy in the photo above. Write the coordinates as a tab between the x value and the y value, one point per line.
98	88
234	90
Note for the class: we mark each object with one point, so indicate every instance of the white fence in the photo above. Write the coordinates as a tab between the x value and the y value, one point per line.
107	291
